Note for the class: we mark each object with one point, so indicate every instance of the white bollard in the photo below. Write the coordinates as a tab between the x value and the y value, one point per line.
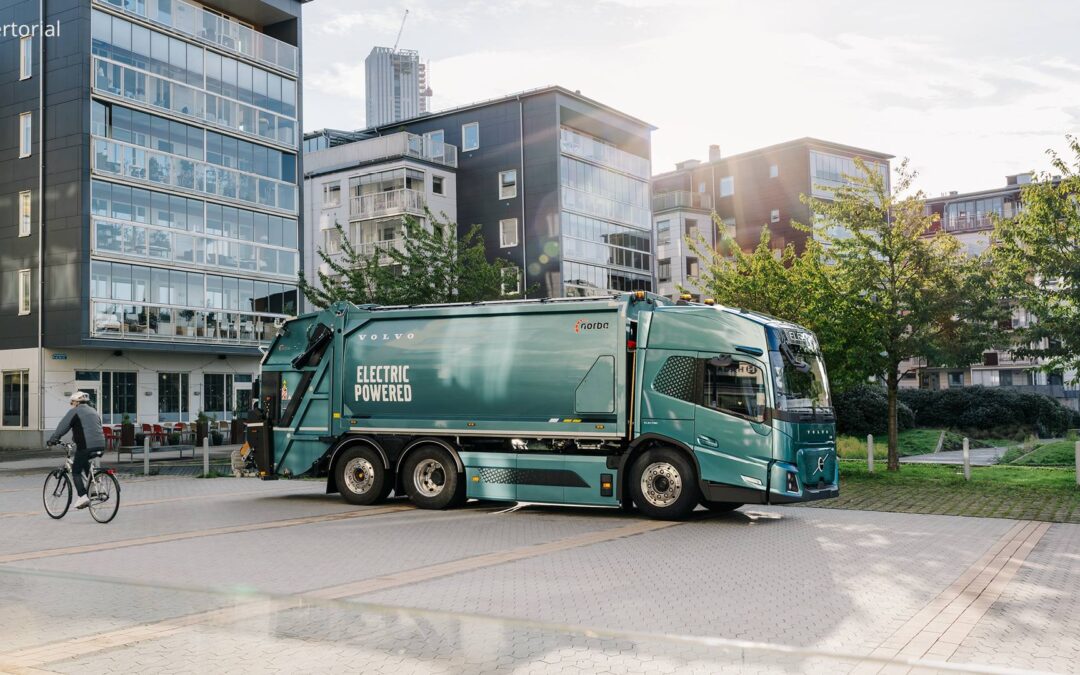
967	460
870	453
1078	463
206	455
146	455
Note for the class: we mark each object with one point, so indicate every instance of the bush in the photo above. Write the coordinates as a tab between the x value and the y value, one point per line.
989	411
864	410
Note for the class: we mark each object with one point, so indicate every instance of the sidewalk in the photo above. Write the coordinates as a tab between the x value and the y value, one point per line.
979	457
16	462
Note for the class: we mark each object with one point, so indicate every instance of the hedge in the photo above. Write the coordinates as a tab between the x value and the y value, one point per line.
864	410
986	409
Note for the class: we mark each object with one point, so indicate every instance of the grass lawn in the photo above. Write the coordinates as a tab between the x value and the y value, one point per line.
912	442
1021	492
1055	453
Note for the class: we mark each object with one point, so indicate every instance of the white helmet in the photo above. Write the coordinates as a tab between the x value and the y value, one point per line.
80	397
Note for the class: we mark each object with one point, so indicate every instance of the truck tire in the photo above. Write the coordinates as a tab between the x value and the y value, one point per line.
431	478
721	507
664	484
361	477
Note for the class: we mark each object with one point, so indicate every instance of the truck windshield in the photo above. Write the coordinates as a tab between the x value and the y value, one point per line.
799	376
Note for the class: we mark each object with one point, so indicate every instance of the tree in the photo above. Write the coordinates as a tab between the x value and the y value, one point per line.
1038	255
431	265
910	291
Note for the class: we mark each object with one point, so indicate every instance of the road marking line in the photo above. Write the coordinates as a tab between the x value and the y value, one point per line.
194	534
40	655
939	628
165	500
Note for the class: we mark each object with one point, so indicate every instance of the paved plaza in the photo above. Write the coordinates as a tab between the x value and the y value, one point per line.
240	575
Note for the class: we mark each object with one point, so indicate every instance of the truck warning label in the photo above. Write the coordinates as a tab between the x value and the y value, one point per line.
383	383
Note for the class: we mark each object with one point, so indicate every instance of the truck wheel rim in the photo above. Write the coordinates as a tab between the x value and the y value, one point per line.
661	484
429	477
359	475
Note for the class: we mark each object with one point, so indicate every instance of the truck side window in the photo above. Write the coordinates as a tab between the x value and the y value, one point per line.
676	378
737	388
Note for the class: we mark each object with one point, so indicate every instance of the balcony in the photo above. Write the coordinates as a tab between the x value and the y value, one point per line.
681	199
968	223
393	202
393	146
215	29
151	323
372	247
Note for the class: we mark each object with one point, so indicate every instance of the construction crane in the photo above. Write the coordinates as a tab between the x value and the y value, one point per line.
399	31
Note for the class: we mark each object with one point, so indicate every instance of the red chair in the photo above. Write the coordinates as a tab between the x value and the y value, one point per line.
181	431
159	434
110	439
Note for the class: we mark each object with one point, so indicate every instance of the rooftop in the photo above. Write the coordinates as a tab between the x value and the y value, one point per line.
808	141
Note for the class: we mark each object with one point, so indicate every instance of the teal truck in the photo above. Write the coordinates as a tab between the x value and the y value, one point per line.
623	400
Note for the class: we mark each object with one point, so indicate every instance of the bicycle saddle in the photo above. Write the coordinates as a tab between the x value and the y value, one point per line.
97	453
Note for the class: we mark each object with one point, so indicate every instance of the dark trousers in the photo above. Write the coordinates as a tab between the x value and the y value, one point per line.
80	466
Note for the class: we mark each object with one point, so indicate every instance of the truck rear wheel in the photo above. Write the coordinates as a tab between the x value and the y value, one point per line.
663	484
361	477
431	478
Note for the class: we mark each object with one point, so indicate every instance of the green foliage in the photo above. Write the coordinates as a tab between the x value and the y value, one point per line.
864	409
1038	256
911	294
989	410
1056	453
432	265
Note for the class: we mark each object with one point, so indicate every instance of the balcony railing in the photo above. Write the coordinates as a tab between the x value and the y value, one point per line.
138	321
968	223
217	30
371	247
388	203
401	144
681	199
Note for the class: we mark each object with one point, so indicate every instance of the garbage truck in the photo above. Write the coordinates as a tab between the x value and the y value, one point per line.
628	400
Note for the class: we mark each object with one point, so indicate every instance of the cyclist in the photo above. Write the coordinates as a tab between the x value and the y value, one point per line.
85	426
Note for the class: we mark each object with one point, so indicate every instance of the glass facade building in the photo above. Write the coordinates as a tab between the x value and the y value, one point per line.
194	191
605	216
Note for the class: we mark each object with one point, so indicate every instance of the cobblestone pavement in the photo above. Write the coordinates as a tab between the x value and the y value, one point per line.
176	583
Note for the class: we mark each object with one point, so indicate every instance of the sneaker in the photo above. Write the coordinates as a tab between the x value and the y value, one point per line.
82	502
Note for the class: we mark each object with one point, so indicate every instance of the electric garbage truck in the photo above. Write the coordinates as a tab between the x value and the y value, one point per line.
623	400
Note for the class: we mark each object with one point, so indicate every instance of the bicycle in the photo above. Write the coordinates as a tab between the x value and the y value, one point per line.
101	487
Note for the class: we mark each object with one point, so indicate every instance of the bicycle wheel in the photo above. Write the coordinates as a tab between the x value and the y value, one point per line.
56	494
104	493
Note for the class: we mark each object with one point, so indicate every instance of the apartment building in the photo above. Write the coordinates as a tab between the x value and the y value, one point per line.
395	86
747	191
558	182
151	176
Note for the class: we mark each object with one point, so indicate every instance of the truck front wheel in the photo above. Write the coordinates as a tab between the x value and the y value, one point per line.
361	477
431	478
663	484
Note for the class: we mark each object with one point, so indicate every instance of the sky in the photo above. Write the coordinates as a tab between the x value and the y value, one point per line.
969	91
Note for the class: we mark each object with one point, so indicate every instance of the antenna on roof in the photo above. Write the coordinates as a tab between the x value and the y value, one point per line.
400	29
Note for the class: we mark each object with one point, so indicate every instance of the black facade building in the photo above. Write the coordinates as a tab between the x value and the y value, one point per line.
558	182
149	177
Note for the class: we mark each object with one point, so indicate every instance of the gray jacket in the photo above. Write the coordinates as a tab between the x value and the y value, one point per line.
85	426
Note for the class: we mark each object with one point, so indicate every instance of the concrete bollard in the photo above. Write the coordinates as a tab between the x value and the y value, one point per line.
870	453
206	456
967	460
146	455
1078	463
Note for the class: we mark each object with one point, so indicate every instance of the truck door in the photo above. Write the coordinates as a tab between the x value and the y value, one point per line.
732	437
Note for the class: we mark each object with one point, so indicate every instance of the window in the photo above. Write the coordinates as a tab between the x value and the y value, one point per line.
511	280
774	170
692	229
25	133
727	186
434	147
331	195
734	387
692	267
676	378
470	136
508	232
173	397
663	269
774	216
437	185
1005	378
990	359
24	292
956	379
15	398
24	213
26	58
508	184
663	232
